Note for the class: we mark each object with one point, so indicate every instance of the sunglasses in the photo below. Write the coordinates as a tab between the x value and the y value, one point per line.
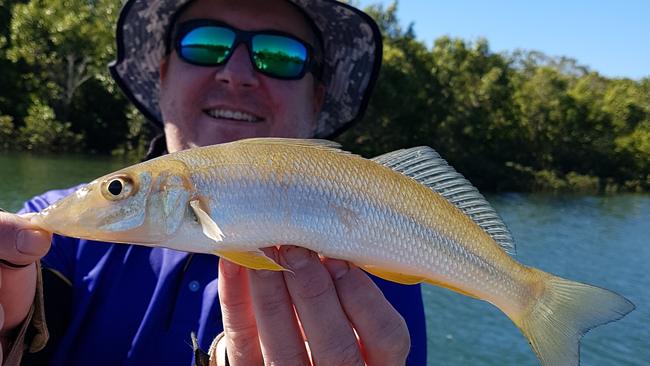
206	42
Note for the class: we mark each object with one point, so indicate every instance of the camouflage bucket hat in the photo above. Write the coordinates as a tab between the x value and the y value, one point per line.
352	57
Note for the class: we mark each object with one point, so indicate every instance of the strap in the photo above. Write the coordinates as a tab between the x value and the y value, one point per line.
215	356
35	320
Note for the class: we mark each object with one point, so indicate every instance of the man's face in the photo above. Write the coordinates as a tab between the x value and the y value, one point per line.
194	100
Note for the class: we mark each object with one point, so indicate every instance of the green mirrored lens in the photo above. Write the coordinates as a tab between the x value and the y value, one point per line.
207	45
278	55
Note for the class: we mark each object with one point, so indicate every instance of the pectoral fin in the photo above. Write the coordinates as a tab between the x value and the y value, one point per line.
252	259
393	276
210	228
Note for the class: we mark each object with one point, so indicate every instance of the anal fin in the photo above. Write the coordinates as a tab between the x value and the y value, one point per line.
411	280
255	259
393	276
452	288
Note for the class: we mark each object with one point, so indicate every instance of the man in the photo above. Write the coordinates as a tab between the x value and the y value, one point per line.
206	71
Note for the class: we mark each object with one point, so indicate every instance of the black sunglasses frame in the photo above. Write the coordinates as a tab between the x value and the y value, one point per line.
241	36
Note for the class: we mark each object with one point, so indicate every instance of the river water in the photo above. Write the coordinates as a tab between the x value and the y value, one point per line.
601	240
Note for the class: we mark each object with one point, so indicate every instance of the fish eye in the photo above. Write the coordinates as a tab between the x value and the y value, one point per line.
115	187
118	187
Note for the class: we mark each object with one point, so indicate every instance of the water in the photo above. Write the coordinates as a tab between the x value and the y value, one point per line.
598	240
24	175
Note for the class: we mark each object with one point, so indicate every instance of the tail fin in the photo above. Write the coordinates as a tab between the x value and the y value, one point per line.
565	311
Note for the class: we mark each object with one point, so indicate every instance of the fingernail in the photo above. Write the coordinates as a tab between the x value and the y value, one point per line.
336	268
32	242
296	257
229	268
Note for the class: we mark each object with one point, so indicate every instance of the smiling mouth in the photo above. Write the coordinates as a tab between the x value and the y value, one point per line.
232	115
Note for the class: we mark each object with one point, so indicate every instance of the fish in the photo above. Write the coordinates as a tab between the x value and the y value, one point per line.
406	216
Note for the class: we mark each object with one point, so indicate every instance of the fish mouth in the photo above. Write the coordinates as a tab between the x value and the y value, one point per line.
51	225
43	219
234	115
39	219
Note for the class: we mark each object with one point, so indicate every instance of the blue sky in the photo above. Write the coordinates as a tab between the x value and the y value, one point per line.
611	37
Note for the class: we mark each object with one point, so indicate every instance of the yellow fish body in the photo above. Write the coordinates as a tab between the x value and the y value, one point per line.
405	216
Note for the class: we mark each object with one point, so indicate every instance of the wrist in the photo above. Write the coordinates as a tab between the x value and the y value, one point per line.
17	295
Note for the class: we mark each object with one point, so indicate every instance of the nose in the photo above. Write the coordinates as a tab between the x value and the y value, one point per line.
238	71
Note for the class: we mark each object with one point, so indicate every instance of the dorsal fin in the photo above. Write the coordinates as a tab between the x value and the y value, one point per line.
427	167
314	143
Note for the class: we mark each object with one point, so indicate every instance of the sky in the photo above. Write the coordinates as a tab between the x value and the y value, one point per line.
611	37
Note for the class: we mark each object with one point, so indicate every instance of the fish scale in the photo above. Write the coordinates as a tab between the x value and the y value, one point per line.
346	181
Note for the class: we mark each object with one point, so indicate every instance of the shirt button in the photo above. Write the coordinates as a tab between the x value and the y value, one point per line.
194	286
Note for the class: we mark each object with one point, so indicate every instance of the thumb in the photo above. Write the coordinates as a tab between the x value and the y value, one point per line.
21	243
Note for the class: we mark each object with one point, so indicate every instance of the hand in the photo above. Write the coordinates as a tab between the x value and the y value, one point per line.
270	317
21	245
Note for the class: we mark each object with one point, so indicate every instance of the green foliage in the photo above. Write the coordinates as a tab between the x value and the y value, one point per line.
12	92
64	47
405	65
71	40
516	121
636	148
42	132
7	132
135	145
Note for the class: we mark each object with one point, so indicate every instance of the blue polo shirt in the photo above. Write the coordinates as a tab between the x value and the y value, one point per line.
135	305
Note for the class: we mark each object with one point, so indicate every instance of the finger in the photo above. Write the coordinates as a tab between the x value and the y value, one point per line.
2	320
329	334
280	336
239	325
21	243
382	331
